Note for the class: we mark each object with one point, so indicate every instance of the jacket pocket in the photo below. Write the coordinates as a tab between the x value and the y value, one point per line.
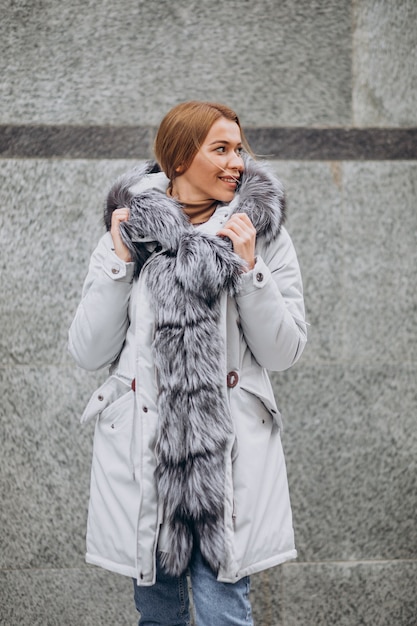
259	385
105	398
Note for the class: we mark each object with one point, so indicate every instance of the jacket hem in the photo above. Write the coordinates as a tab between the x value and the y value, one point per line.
259	566
117	568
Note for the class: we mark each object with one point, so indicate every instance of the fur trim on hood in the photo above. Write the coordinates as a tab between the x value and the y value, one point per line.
156	217
186	279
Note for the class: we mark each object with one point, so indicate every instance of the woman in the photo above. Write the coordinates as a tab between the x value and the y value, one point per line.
191	295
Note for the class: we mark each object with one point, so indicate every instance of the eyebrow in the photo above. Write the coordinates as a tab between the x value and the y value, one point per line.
224	141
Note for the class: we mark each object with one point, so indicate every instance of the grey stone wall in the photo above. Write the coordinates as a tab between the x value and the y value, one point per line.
349	405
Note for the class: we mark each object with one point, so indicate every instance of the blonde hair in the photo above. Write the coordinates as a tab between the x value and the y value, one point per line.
183	131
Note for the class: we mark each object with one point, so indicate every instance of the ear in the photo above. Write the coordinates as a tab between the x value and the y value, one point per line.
179	169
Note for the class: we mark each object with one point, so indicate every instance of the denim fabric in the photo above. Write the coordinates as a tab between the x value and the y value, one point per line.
215	603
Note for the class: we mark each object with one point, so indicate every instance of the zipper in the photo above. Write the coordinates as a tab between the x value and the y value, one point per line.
234	516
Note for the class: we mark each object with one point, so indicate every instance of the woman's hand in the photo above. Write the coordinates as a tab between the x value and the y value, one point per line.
242	234
118	216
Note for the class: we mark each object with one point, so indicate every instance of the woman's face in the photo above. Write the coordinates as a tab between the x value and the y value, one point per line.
216	168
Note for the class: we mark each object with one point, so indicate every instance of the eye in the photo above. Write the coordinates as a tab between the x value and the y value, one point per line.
220	149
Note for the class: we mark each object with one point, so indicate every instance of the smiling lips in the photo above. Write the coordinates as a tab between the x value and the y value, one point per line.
231	180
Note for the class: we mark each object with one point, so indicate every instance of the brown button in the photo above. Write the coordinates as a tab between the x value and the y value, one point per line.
259	277
232	379
100	397
115	270
145	409
134	384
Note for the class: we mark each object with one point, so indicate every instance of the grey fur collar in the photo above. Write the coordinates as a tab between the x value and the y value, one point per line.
186	281
155	216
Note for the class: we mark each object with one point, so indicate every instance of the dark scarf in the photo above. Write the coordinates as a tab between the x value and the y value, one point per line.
186	281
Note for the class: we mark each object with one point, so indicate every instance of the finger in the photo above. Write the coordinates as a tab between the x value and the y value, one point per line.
229	231
121	214
240	223
241	218
237	230
236	225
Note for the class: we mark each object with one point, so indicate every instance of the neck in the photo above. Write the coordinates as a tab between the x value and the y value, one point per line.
197	210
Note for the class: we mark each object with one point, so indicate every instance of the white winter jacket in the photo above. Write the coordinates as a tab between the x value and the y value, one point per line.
263	327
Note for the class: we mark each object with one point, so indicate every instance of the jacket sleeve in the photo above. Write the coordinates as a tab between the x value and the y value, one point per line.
98	331
271	306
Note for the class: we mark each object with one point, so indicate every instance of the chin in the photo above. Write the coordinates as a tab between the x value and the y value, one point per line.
226	197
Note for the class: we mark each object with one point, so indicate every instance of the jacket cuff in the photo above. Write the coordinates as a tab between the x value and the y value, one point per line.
117	269
256	278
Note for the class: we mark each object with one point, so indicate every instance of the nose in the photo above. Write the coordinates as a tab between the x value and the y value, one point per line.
236	162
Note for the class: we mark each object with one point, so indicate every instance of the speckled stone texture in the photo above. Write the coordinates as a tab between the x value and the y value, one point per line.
44	465
355	230
84	596
350	443
128	62
348	594
380	255
384	79
53	220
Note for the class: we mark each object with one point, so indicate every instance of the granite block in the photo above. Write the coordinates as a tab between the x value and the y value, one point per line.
380	257
349	594
315	218
85	596
384	80
45	466
350	441
52	224
127	63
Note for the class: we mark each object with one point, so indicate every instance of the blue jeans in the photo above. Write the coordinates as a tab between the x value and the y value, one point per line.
166	603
